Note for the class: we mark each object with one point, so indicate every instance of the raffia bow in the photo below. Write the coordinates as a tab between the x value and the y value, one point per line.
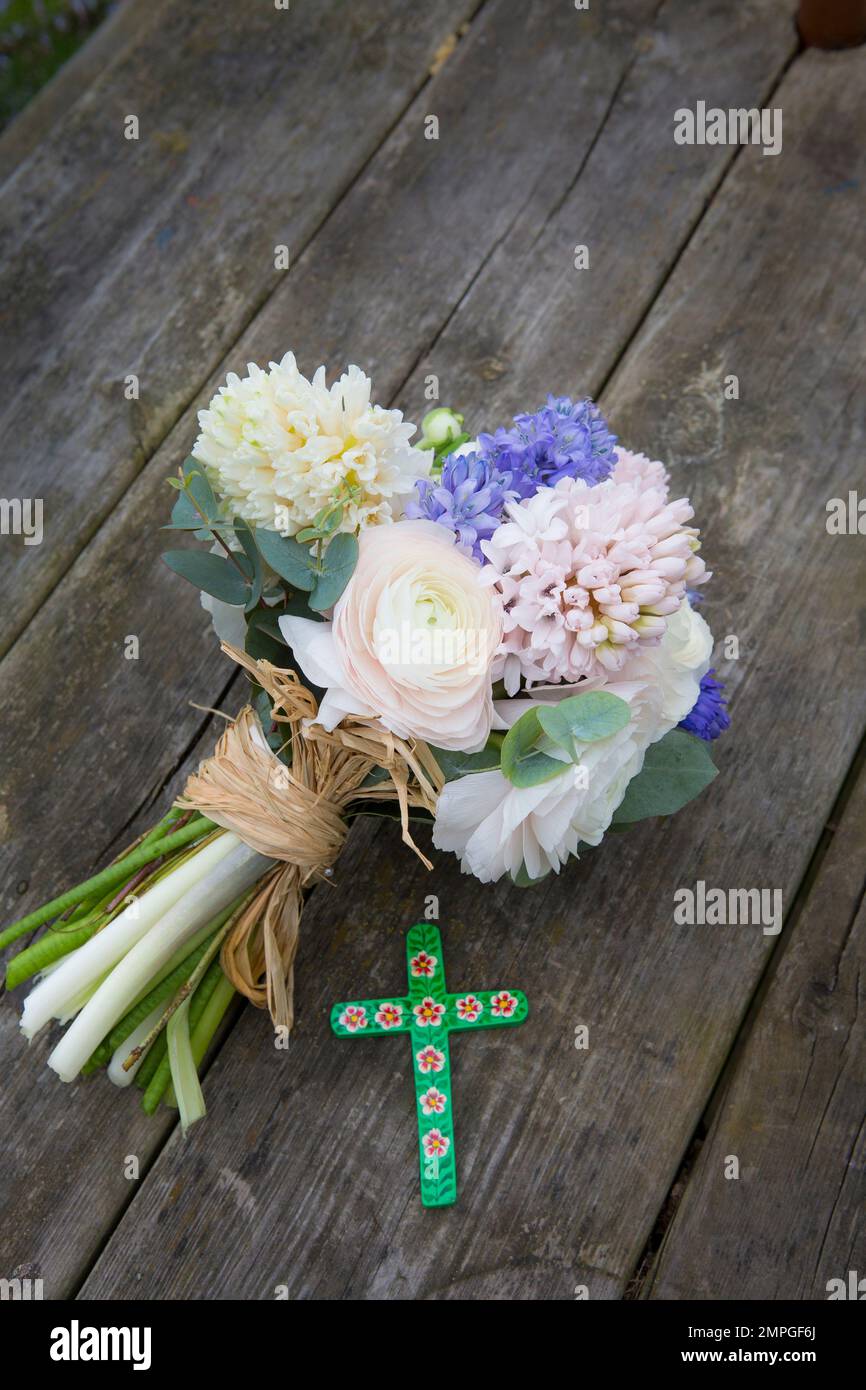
295	814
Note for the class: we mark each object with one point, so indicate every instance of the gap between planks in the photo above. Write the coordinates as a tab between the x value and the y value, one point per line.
640	1281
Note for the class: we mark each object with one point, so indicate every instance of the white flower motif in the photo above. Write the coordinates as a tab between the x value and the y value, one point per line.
278	447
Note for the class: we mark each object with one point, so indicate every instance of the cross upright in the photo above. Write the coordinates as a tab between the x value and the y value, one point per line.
428	1014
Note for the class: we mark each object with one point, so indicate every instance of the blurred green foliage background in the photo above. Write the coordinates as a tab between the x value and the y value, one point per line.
36	38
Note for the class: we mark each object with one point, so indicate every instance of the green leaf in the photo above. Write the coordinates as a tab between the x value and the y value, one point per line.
254	560
522	763
522	879
333	519
263	647
209	572
274	736
200	489
267	620
184	516
340	560
442	451
287	558
589	717
675	770
454	764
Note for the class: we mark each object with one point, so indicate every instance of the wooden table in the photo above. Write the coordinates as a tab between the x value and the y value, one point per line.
600	1168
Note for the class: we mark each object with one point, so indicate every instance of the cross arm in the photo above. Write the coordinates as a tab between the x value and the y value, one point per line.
485	1008
367	1018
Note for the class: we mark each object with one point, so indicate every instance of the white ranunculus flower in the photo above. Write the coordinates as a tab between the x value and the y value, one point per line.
411	641
674	668
278	448
496	827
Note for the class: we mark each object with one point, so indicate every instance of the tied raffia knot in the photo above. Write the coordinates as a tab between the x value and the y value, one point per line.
294	812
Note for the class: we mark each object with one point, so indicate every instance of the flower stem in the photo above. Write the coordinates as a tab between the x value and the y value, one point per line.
188	985
184	1076
138	948
160	1077
203	1031
108	878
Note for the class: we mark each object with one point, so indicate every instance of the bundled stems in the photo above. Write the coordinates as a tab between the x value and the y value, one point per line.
160	1076
114	875
223	925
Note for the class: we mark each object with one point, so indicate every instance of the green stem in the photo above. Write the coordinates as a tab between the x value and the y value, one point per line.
190	985
204	1030
108	878
162	1073
162	989
61	940
151	1064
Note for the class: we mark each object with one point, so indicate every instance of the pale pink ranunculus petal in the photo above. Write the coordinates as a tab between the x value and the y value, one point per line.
411	640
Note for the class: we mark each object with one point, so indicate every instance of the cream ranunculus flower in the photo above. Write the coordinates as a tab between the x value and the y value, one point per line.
411	641
495	827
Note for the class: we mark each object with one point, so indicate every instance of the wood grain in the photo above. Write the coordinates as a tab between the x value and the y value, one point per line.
120	27
791	1111
567	1155
348	300
150	256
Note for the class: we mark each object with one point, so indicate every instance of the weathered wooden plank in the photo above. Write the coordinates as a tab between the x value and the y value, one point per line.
149	256
792	1114
339	305
567	1155
115	32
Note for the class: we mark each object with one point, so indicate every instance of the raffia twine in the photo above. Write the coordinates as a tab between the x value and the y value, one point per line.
295	814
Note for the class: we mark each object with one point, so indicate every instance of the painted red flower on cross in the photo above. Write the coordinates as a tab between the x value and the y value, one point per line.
430	1059
503	1004
470	1009
389	1015
433	1101
436	1144
428	1014
353	1017
423	965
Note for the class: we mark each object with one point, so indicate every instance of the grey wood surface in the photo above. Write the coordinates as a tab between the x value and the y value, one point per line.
140	256
339	306
791	1112
304	1172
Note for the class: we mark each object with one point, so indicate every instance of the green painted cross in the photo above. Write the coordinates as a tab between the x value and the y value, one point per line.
428	1015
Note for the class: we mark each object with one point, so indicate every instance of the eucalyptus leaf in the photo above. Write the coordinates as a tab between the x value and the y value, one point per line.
589	717
200	489
274	734
212	573
522	762
454	764
675	770
184	516
339	564
522	879
253	559
267	620
263	647
287	558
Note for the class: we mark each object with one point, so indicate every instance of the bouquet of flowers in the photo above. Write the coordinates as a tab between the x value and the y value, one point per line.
496	634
